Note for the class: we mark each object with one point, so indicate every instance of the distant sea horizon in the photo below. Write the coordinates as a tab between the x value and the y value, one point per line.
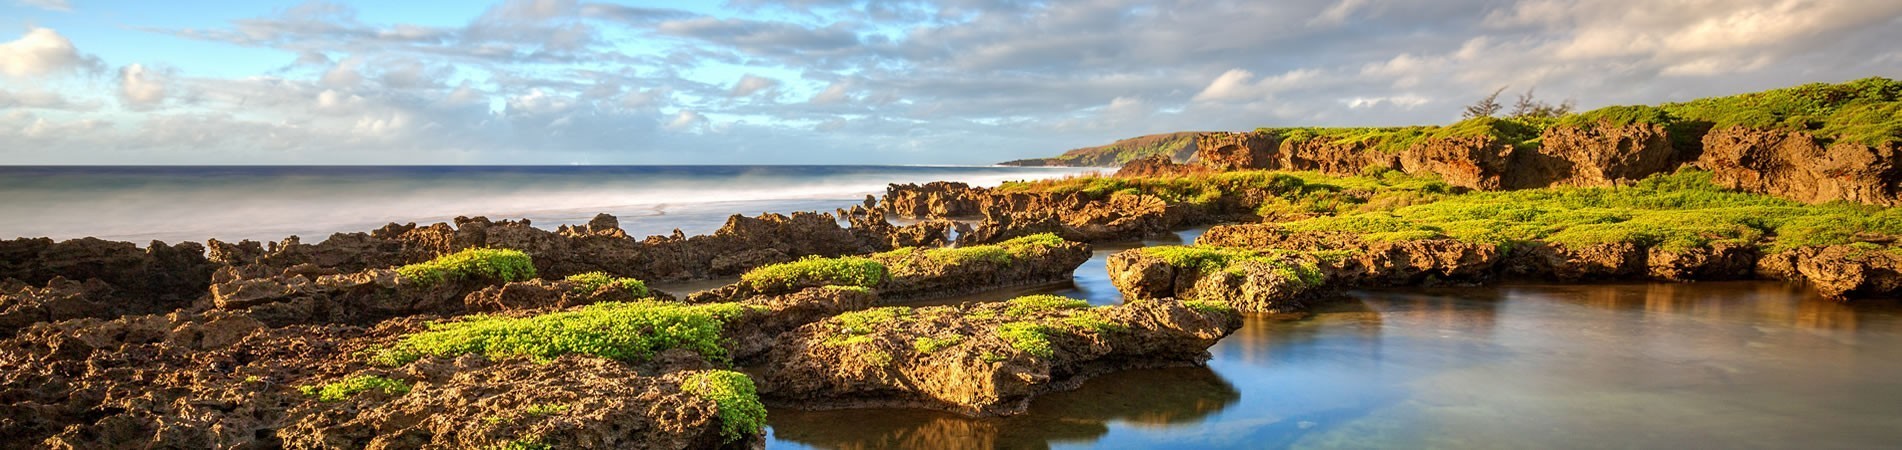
174	203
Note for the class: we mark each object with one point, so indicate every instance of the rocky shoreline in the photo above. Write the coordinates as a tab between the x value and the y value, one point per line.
497	334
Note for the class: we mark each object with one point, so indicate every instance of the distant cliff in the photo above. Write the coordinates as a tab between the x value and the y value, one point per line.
1814	143
1179	147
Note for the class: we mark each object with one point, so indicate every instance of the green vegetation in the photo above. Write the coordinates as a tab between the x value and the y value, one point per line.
910	261
545	409
1865	111
867	321
1028	337
631	331
1209	306
476	263
1672	211
1269	194
1177	146
1862	111
1034	304
818	271
594	281
525	444
929	344
738	400
1522	132
1210	259
1092	321
349	387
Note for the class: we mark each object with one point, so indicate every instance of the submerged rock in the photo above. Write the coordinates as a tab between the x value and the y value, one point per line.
983	359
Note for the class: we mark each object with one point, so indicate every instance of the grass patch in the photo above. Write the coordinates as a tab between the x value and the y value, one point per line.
910	261
594	281
349	387
929	344
1094	322
1862	111
1210	259
741	412
545	409
1672	211
1210	306
1522	132
1267	193
630	331
472	264
1034	304
1028	337
818	271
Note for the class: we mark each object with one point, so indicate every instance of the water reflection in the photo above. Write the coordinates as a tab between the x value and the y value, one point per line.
1731	365
1127	399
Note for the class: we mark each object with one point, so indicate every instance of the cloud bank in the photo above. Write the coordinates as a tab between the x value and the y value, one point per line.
914	81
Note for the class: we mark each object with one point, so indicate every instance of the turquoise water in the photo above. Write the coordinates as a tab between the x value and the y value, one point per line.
1705	365
268	203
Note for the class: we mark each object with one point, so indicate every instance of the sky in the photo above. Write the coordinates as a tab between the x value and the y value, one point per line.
848	82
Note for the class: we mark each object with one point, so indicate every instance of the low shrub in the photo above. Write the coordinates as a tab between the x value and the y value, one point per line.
741	412
593	281
1035	304
472	264
631	331
349	387
1028	337
818	271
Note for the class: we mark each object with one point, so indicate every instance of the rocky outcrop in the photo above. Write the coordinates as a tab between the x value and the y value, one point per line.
914	274
1595	155
220	378
305	294
742	244
1269	284
1838	271
1159	166
1474	162
95	278
574	402
1237	151
1359	262
981	359
1802	167
941	199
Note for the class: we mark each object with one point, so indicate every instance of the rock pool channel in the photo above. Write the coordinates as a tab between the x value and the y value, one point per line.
1651	365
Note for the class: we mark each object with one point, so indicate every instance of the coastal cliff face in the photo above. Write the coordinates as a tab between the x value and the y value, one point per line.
1799	166
1793	165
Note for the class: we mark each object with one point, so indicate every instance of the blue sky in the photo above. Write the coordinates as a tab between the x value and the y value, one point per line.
830	81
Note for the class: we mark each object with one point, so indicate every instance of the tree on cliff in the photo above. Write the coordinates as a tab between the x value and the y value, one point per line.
1528	107
1485	107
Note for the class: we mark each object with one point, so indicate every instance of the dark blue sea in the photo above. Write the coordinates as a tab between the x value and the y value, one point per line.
185	203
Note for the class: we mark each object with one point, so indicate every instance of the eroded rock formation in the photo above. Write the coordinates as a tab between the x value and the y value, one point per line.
982	359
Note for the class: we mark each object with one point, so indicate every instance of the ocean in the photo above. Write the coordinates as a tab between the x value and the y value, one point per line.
268	203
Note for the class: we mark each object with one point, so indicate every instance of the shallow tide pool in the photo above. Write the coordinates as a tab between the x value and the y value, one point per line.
1703	365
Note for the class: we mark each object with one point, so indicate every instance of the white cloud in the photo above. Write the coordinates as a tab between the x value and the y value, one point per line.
1338	13
49	5
42	52
753	84
139	88
1235	85
836	92
685	120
